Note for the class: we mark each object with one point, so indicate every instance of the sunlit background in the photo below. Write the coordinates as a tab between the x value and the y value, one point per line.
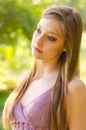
18	19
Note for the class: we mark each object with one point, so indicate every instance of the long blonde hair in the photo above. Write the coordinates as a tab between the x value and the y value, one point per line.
68	67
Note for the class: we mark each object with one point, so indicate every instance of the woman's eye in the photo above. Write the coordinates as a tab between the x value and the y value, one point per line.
52	38
38	30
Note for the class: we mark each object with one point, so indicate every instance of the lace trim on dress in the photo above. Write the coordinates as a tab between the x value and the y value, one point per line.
16	125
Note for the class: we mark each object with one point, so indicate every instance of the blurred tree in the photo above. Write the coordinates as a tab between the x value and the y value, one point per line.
15	18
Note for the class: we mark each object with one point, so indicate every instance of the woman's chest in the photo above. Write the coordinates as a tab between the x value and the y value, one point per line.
35	90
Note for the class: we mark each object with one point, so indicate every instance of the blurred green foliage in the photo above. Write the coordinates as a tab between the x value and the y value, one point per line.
15	19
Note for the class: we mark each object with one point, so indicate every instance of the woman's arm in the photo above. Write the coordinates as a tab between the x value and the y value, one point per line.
76	105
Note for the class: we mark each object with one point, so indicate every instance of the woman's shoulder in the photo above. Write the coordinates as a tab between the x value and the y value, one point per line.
23	76
76	90
76	101
76	86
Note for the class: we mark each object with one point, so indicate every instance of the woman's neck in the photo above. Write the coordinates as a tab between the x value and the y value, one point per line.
46	68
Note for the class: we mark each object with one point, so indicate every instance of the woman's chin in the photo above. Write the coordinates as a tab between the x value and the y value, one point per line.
37	56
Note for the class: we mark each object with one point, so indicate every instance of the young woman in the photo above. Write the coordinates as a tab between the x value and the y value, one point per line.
51	96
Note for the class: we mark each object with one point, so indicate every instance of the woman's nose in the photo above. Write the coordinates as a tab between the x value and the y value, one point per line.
40	40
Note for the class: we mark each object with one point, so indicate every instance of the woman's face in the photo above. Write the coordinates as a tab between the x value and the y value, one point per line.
48	40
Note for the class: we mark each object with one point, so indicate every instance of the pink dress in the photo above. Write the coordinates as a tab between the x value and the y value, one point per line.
35	116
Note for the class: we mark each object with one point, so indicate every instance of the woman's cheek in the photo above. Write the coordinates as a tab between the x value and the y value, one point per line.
33	40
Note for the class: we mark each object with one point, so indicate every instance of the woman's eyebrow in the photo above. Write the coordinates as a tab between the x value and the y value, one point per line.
55	33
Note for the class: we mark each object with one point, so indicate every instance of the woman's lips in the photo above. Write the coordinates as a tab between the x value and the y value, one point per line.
37	49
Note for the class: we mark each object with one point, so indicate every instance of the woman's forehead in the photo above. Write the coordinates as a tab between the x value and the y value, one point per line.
51	25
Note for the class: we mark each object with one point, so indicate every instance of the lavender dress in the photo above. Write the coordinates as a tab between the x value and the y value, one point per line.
35	116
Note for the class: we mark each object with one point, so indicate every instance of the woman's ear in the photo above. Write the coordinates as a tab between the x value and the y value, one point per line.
64	50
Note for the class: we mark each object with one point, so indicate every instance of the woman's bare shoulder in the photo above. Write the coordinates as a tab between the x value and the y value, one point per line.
76	104
23	76
76	90
76	85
